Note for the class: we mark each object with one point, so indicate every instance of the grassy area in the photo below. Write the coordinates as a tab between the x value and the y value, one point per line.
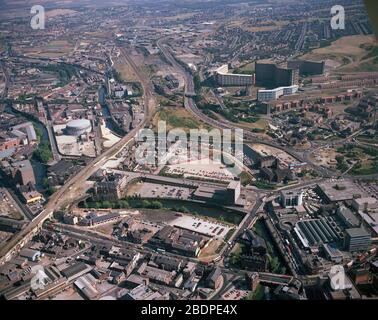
366	159
43	154
263	185
356	53
255	124
276	265
367	168
126	72
177	118
65	72
52	49
236	253
247	68
245	178
258	294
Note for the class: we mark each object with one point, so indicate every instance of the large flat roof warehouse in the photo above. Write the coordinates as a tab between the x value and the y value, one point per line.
339	190
209	228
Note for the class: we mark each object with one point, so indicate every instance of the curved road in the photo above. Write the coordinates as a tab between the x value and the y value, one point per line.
59	198
191	106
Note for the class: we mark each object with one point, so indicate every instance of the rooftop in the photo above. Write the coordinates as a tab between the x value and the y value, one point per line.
357	232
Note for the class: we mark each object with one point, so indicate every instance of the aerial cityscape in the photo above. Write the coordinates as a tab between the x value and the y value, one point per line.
188	150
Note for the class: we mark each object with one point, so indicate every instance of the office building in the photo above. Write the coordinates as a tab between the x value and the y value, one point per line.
223	78
233	191
291	198
357	239
275	94
270	75
348	218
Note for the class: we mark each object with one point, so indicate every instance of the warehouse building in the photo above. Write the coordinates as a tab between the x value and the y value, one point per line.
30	254
87	286
338	191
76	270
315	232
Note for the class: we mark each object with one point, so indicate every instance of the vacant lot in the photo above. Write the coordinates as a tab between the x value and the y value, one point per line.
53	49
177	118
126	72
60	12
210	252
353	53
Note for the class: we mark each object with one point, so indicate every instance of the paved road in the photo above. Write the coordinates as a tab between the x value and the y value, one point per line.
64	194
191	106
242	226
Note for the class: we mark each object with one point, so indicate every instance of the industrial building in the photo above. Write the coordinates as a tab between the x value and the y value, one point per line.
223	78
275	94
78	127
268	74
30	254
25	130
87	286
158	276
332	253
316	232
143	292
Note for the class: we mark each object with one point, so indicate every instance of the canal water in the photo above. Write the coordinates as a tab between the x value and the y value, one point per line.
105	112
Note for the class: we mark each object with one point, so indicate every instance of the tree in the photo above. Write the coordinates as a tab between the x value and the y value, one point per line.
124	204
156	205
146	204
43	153
106	204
